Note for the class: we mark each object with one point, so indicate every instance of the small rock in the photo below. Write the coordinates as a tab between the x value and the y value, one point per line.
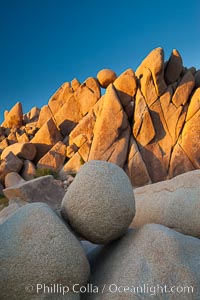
184	89
22	150
10	164
72	166
14	118
28	171
12	179
22	138
105	77
42	189
75	84
46	137
174	67
54	159
126	87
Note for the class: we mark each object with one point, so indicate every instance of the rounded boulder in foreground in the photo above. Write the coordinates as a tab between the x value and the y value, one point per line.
105	77
99	204
37	248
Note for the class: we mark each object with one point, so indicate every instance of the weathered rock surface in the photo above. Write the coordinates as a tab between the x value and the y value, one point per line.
60	97
28	171
87	95
173	203
155	63
53	159
135	167
174	67
126	87
9	210
22	150
47	136
31	116
36	247
72	166
99	203
14	117
10	164
184	89
111	131
42	189
68	116
45	115
13	178
140	259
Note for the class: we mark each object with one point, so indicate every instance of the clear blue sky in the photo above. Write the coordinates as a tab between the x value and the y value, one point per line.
44	43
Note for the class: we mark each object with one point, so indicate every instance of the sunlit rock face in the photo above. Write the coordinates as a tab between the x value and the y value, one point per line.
146	122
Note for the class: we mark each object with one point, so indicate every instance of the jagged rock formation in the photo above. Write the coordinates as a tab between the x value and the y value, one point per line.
147	122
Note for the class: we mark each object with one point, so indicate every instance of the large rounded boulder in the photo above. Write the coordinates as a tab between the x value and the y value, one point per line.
99	204
38	250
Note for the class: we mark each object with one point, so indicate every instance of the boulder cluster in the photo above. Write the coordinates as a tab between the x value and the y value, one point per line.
41	245
103	188
104	243
146	122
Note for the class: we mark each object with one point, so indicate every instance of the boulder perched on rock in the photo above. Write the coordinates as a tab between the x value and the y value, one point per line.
151	262
37	248
99	204
173	203
22	150
42	189
126	87
105	77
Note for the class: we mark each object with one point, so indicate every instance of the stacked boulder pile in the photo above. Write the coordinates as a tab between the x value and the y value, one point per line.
105	243
146	122
103	188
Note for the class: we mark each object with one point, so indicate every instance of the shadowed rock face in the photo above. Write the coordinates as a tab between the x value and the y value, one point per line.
147	122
